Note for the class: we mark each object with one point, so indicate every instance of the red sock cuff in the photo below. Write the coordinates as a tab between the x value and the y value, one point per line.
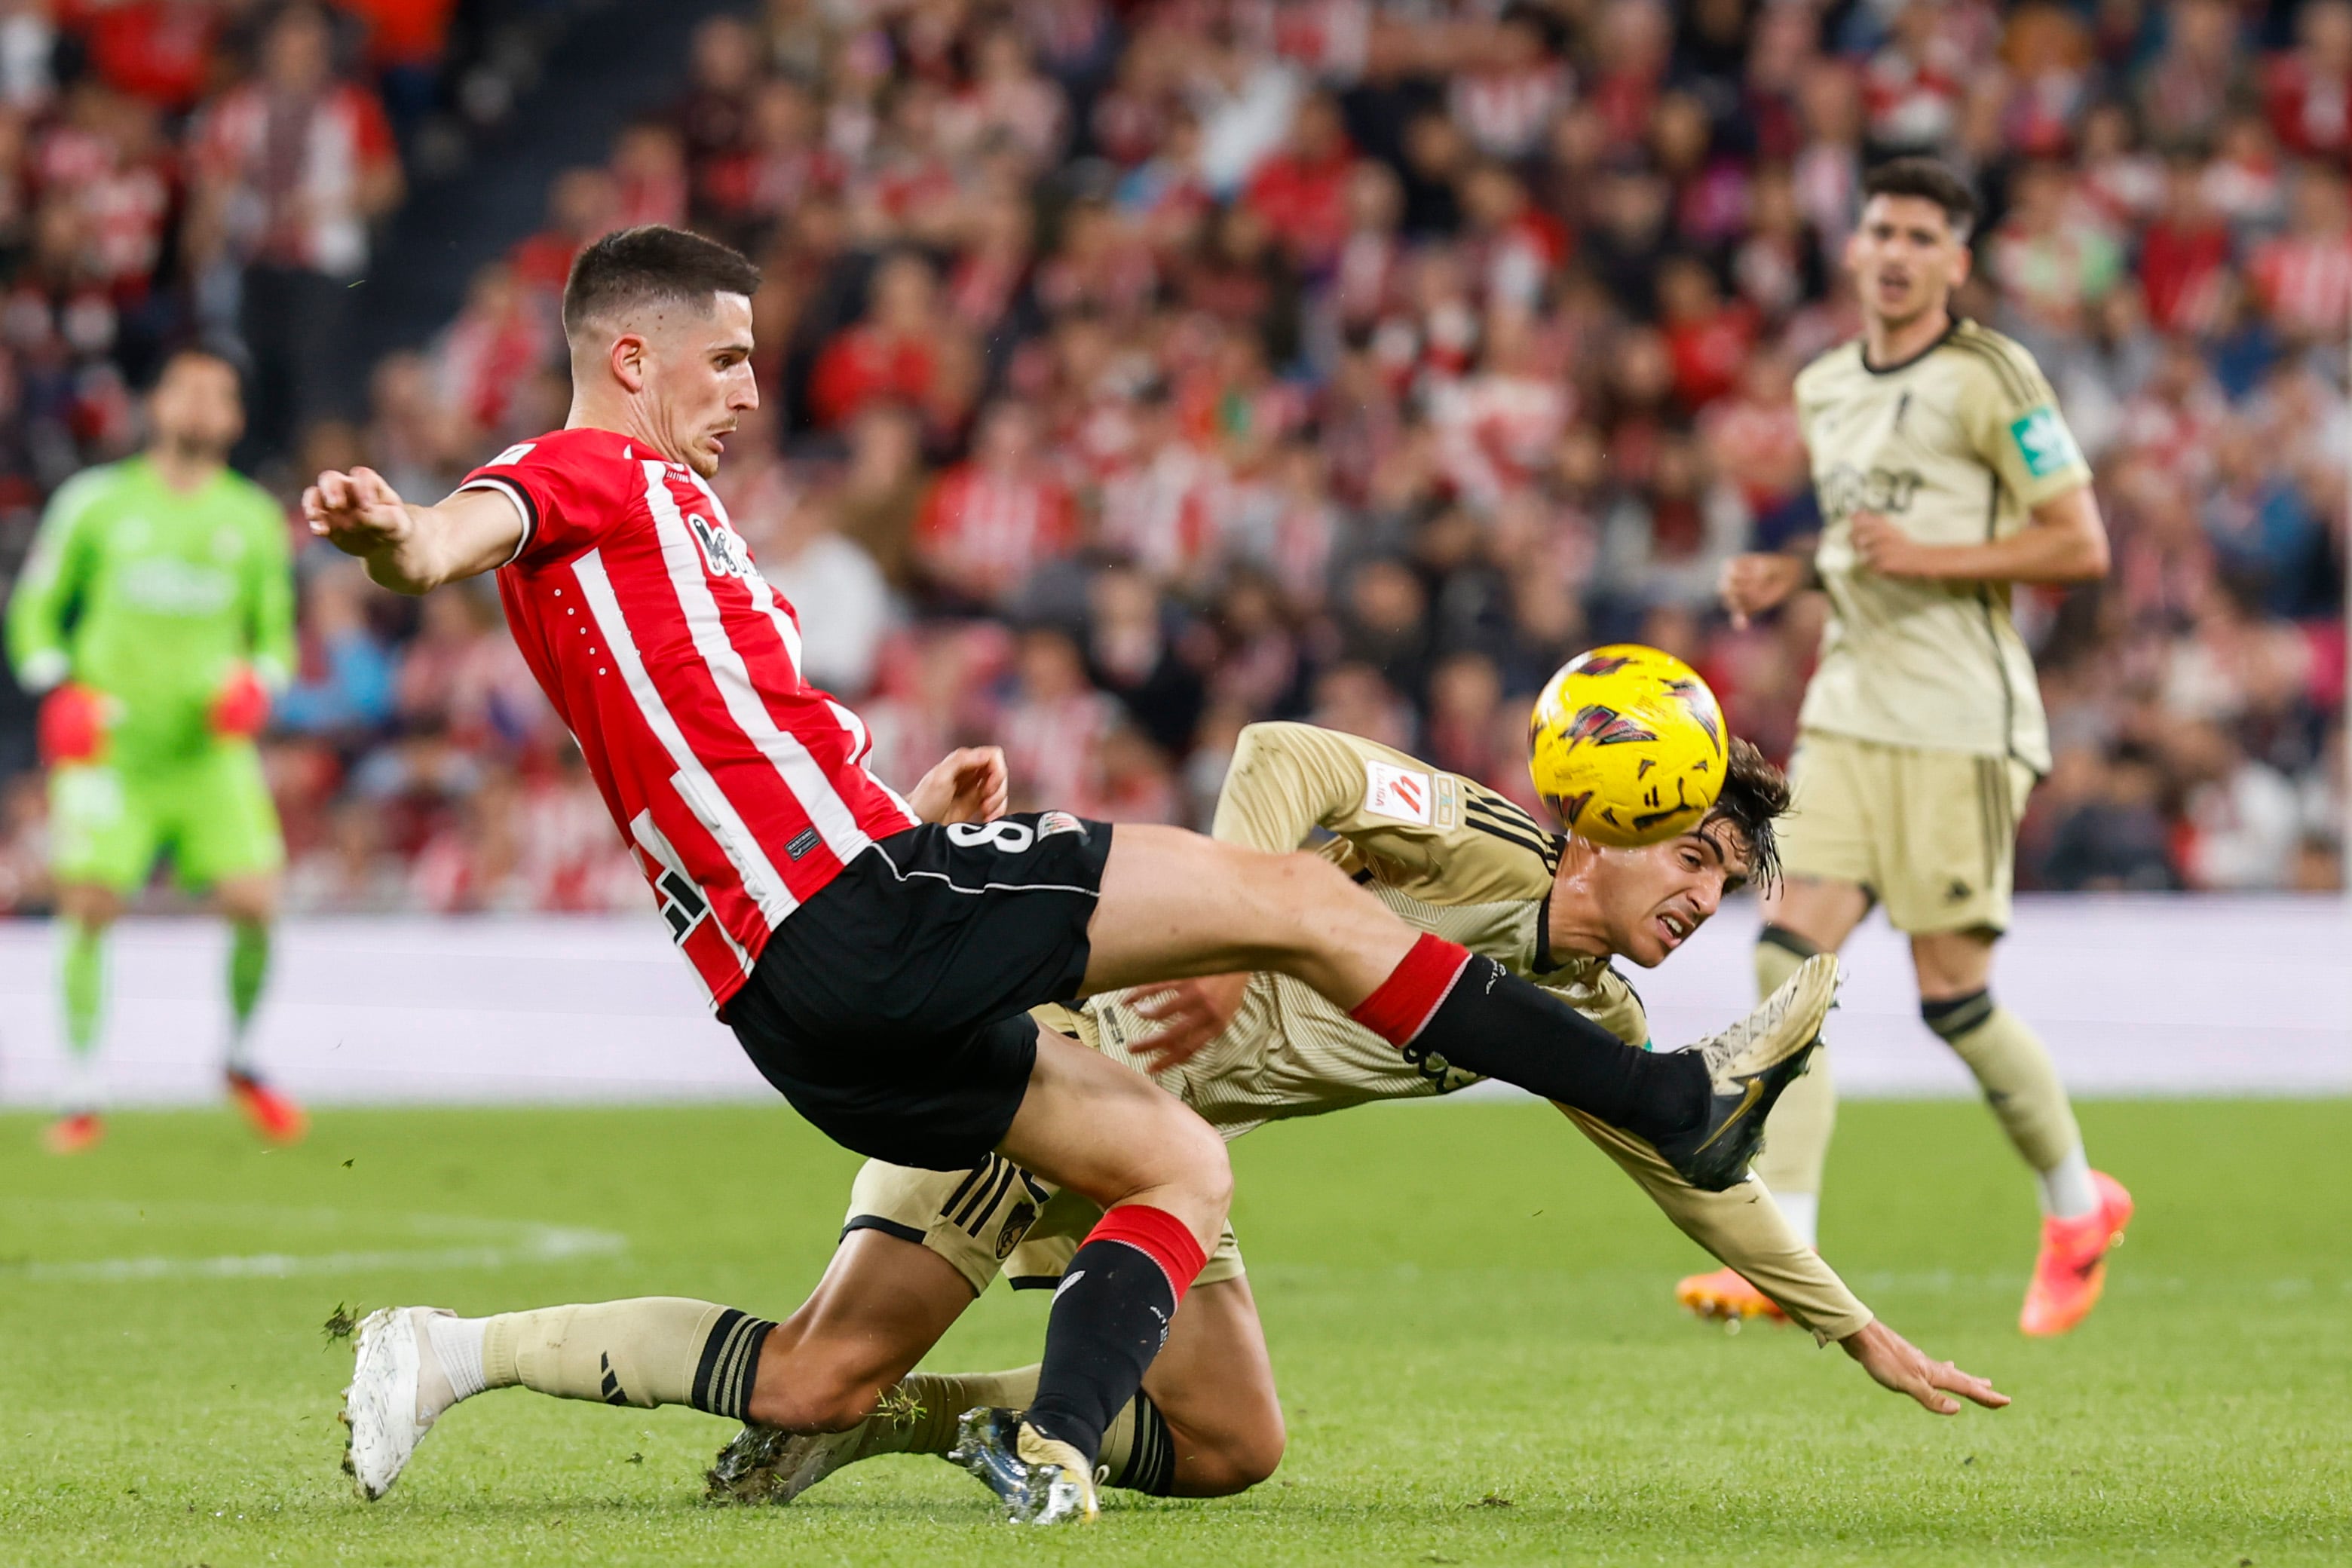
1158	1235
1400	1007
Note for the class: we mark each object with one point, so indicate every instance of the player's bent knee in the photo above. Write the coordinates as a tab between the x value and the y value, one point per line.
811	1397
1235	1462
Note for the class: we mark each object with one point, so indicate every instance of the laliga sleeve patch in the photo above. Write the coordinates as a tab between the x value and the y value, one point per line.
2044	442
1400	794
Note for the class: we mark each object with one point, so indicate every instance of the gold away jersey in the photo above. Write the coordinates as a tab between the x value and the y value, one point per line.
1450	857
1956	445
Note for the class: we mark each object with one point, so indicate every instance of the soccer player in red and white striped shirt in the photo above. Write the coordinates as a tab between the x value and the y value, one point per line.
877	956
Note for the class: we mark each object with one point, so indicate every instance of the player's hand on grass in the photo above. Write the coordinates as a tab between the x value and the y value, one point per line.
1190	1013
970	784
359	513
1753	583
1885	549
1896	1364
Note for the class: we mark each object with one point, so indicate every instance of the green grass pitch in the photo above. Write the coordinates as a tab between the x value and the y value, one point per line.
1468	1309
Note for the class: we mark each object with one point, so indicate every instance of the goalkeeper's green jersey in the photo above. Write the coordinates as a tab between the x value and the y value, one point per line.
154	597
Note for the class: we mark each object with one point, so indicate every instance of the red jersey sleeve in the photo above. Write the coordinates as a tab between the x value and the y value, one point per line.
569	489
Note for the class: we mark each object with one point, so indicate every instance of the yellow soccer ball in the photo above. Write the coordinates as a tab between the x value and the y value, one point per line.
1626	745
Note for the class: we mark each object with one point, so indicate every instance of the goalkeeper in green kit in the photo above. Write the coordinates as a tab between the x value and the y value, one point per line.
153	618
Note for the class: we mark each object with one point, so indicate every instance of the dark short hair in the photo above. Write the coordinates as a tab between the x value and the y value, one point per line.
1754	796
651	264
187	352
1929	181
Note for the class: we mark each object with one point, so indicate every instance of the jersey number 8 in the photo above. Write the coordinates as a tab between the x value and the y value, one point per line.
1005	834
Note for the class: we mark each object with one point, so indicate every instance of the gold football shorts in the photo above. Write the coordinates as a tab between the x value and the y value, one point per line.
994	1219
1931	835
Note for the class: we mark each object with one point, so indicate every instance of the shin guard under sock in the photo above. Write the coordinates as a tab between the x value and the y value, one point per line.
1442	1001
1110	1317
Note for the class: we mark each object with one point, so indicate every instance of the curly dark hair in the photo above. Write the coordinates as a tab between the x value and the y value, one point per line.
1755	793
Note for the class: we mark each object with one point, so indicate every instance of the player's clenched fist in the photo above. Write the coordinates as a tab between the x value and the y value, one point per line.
1754	583
357	512
970	784
72	726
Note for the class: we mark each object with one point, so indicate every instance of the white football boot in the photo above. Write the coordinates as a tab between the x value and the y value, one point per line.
381	1405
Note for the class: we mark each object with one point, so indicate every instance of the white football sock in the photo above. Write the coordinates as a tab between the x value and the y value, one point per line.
455	1362
1803	1213
2066	1189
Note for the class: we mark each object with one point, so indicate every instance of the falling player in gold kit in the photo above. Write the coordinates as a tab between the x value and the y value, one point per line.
1946	475
836	1383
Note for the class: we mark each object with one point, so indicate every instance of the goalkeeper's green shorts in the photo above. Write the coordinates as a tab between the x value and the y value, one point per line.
109	822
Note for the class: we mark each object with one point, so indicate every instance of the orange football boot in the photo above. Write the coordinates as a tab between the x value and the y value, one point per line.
275	1117
2073	1267
1725	1293
73	1135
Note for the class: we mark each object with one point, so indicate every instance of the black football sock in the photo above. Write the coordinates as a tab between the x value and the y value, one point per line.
1110	1317
1443	1001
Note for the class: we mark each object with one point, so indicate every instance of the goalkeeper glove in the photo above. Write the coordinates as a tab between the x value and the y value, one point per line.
242	706
72	725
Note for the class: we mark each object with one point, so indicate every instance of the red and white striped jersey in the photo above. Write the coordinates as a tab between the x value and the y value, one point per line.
740	789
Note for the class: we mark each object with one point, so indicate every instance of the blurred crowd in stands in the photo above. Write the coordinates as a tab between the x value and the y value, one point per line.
1137	370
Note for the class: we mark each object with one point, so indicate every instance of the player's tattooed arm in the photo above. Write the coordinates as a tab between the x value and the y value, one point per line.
2063	541
411	549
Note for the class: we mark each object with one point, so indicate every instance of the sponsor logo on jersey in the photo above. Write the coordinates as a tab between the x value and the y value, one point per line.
166	586
2044	442
723	550
1400	794
1846	489
514	454
1049	823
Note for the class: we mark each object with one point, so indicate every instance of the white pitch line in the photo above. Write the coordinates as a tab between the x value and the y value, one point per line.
551	1247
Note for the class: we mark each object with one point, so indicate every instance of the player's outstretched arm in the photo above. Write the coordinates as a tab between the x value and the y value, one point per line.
1897	1364
411	549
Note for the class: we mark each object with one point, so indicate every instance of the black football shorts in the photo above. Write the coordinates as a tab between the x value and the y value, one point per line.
892	1008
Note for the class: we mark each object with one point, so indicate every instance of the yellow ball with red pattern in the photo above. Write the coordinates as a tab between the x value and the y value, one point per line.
1626	745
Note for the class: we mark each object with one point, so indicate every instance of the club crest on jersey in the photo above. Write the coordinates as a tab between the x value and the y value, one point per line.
1400	794
1049	823
723	550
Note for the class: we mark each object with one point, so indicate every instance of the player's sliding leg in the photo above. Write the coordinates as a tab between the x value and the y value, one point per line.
2083	1211
86	913
1174	904
413	1363
1207	1422
250	904
881	1306
1160	1174
1802	917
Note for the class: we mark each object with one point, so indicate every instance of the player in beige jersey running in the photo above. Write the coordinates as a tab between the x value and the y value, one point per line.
1946	475
835	1382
